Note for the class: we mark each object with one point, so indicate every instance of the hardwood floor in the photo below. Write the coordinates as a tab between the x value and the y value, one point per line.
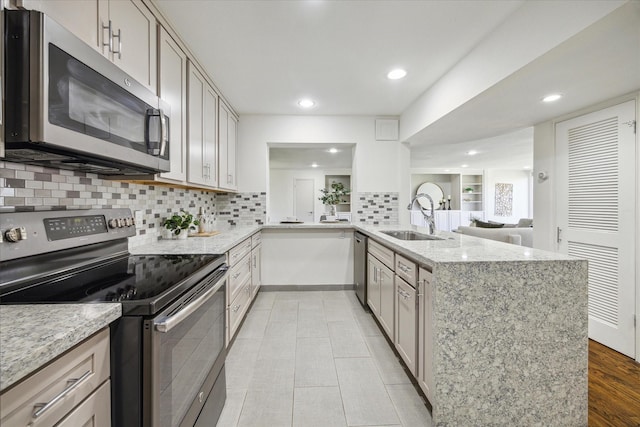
614	388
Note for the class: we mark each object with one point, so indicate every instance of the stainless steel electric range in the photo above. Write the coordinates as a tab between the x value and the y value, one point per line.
167	350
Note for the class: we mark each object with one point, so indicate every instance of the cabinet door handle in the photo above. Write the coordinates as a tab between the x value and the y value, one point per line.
41	408
119	37
109	43
229	179
254	261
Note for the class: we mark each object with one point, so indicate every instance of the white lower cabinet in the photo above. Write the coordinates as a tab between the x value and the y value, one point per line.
244	279
425	335
399	294
380	291
256	270
72	390
373	285
405	323
93	412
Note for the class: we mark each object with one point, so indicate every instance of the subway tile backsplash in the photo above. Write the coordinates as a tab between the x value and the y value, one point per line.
242	208
29	188
375	208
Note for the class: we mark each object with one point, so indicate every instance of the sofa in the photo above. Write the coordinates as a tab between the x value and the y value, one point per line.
517	234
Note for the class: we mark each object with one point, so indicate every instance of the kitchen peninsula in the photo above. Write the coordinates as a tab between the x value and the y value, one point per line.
508	323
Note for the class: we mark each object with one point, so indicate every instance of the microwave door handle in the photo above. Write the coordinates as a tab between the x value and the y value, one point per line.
171	322
163	133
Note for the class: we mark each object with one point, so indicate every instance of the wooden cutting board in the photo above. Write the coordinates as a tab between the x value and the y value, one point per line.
209	234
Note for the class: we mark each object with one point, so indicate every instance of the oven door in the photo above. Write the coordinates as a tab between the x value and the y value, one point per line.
186	351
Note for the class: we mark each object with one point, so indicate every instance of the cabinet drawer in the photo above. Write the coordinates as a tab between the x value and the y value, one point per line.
63	384
383	254
256	239
93	412
238	252
406	269
238	275
238	308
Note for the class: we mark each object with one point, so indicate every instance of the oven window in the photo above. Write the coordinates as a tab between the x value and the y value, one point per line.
186	355
83	100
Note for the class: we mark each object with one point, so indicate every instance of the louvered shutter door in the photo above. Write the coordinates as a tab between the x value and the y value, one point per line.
596	214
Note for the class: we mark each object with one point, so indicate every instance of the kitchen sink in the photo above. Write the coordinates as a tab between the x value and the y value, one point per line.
410	235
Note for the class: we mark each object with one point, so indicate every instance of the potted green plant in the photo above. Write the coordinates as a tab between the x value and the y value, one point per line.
468	190
333	196
180	224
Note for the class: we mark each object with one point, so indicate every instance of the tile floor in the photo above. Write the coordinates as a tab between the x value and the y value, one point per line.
316	359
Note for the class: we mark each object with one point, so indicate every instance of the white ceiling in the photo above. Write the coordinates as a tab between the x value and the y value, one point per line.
265	55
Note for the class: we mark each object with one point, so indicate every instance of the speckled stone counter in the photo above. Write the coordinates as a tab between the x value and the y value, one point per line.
509	323
33	335
310	225
218	244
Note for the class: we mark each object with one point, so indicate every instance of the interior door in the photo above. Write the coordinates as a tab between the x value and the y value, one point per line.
304	200
596	190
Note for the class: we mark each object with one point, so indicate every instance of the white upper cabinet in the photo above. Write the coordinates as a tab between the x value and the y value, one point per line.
228	128
202	101
122	30
173	90
133	39
73	15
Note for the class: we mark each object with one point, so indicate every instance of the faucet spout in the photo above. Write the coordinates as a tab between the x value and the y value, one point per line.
430	219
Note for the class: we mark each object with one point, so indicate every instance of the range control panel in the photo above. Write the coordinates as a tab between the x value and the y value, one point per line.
75	226
31	233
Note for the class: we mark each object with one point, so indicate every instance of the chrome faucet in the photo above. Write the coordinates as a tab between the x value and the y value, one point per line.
429	218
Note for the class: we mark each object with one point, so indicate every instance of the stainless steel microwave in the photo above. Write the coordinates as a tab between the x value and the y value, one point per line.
69	107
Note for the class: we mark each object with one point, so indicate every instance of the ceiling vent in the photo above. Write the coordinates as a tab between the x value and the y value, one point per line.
386	129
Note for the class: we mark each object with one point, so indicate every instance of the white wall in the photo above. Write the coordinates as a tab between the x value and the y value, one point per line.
521	197
544	202
532	30
375	166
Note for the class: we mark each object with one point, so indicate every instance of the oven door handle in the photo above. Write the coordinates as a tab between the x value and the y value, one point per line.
171	322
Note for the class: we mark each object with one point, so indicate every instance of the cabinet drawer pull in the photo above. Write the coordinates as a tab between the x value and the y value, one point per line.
41	408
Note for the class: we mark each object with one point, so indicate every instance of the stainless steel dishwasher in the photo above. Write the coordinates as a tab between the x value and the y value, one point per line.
360	267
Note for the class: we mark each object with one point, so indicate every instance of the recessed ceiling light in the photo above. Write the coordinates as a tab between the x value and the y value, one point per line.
527	167
306	103
396	74
333	150
447	170
314	165
472	152
552	97
464	166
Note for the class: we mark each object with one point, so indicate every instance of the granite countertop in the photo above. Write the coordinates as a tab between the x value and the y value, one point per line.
456	247
32	335
318	225
218	244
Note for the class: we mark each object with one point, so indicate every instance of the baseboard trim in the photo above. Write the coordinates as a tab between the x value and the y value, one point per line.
285	288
